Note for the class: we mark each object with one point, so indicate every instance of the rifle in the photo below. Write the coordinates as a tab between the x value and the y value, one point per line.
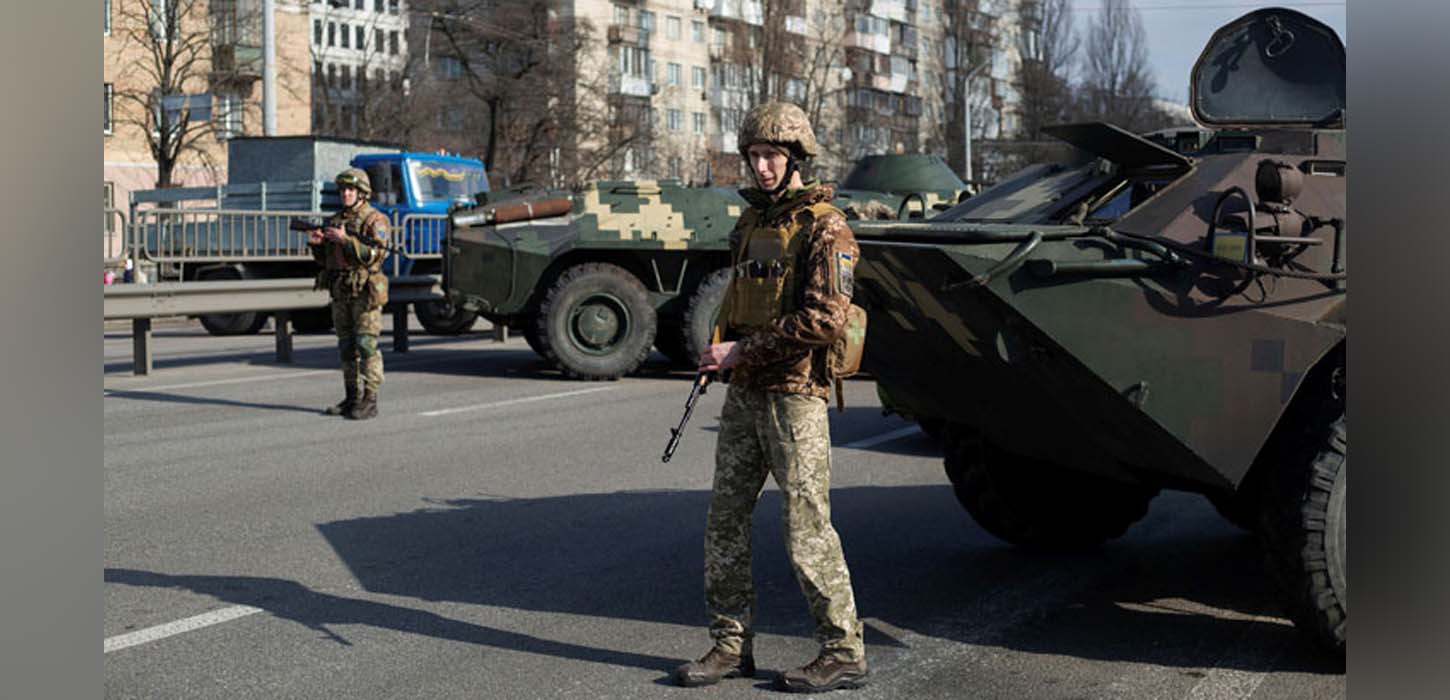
311	223
701	380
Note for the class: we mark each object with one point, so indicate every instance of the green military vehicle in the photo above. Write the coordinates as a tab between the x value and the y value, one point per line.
1089	333
626	265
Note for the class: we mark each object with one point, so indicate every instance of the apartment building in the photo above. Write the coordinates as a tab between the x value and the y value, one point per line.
216	97
358	52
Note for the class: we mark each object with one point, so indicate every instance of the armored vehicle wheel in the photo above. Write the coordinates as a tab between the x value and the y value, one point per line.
530	331
443	318
701	312
683	341
1305	535
596	322
312	320
1034	504
933	427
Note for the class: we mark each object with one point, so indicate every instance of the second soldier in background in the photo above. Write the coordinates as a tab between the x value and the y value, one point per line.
787	303
352	274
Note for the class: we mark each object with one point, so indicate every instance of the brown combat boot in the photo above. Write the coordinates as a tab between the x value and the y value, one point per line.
713	666
826	672
365	408
343	407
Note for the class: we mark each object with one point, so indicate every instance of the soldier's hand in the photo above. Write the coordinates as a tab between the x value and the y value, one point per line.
314	237
719	356
334	234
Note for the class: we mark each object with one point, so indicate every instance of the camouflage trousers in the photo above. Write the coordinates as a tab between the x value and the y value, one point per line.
788	437
358	325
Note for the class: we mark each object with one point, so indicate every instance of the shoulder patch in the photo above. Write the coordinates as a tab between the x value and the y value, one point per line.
845	272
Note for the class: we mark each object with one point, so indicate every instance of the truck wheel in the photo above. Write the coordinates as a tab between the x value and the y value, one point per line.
1035	504
530	331
1304	530
597	322
670	340
312	320
443	318
244	323
701	312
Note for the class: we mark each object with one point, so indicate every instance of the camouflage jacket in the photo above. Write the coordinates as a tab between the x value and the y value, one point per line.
349	266
789	356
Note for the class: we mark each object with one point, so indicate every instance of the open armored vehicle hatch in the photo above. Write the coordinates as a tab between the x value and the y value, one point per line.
1118	145
1271	67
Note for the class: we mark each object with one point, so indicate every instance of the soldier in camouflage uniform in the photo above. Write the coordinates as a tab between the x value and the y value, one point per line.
787	303
352	274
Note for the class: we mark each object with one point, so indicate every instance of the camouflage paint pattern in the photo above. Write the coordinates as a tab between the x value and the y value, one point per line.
785	436
358	324
1160	371
778	123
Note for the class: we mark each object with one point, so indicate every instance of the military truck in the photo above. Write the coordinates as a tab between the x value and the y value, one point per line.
636	263
1091	332
239	230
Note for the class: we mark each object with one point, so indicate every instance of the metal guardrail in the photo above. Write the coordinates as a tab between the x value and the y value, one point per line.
216	235
141	302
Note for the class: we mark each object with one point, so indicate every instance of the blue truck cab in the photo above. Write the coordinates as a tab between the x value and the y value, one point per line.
408	183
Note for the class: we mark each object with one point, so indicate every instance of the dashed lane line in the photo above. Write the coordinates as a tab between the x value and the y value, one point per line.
171	629
511	402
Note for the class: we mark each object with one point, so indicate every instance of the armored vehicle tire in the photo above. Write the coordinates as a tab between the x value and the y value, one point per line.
244	323
684	340
1304	530
596	322
443	318
1034	504
312	320
530	331
701	313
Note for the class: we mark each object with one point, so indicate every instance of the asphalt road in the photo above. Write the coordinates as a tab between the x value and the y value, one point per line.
501	532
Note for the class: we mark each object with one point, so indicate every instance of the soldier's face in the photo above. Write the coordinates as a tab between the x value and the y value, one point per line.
349	195
768	164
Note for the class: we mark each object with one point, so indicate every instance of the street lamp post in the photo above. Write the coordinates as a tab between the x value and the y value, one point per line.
269	68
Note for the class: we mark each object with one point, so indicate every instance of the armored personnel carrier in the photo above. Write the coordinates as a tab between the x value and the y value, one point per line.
631	264
1147	318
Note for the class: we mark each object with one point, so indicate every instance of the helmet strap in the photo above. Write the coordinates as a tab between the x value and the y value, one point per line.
790	171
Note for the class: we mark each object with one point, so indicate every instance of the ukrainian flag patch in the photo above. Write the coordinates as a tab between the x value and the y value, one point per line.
845	272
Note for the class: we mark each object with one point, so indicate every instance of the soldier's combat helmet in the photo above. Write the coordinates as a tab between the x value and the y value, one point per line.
779	124
355	178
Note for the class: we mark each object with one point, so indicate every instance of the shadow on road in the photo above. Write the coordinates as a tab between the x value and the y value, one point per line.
1181	590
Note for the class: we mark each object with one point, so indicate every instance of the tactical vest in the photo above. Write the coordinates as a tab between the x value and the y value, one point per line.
764	278
345	279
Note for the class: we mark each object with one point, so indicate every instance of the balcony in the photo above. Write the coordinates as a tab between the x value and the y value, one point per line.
747	11
722	142
880	43
236	61
633	85
628	34
889	9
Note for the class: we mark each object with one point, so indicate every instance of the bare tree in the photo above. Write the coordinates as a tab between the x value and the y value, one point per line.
363	100
165	94
970	38
1117	84
1049	49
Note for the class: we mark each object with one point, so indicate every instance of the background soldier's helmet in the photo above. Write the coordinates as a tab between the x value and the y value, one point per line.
781	124
356	178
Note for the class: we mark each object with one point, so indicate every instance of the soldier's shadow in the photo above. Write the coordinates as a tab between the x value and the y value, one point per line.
917	562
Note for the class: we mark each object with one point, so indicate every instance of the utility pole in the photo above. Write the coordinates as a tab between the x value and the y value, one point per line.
269	68
967	120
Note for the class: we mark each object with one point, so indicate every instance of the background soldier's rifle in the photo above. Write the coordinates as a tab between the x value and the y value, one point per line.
312	223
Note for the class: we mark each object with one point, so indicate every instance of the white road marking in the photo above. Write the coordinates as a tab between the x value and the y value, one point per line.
195	622
218	382
510	402
884	437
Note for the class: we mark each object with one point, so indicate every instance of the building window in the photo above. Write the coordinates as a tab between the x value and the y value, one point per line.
358	5
392	43
697	77
699	119
228	121
621	15
346	77
673	72
106	111
392	7
676	164
331	34
646	20
359	35
332	75
106	22
697	31
719	37
378	6
450	68
675	119
317	32
346	36
672	27
378	40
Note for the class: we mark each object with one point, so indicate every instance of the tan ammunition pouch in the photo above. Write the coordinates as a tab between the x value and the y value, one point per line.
843	358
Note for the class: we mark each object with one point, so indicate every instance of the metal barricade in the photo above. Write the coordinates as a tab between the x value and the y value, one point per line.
206	235
115	236
420	236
